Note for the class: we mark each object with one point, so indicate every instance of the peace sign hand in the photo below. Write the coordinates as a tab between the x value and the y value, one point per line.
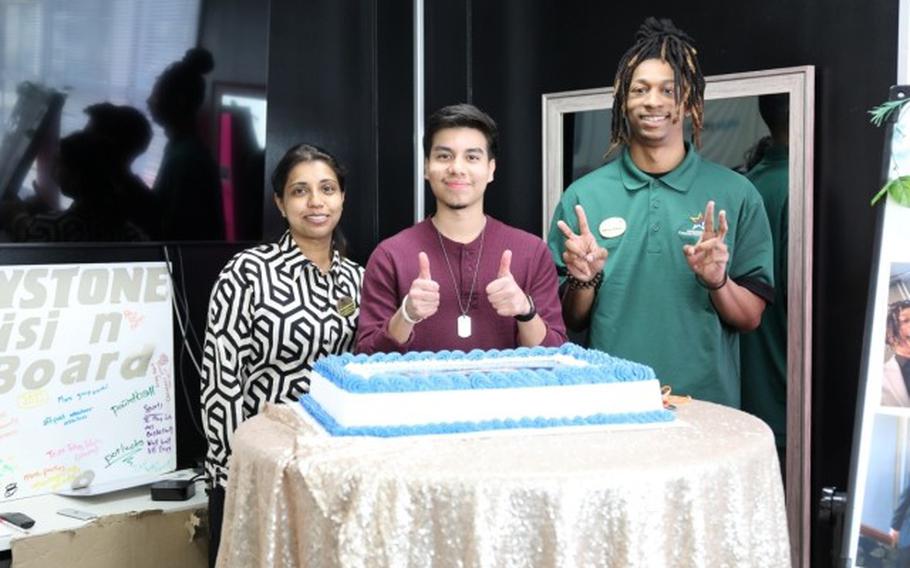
709	256
584	258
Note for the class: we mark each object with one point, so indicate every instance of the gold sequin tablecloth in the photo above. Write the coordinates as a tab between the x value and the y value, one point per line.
707	492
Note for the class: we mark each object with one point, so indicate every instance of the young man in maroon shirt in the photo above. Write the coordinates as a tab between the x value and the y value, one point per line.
459	279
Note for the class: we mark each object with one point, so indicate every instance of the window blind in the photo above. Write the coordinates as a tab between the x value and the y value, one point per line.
94	51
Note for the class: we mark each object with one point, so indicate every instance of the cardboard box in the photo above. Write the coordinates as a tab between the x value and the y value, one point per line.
148	539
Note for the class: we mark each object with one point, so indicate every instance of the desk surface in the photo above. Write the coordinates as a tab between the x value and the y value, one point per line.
706	492
43	508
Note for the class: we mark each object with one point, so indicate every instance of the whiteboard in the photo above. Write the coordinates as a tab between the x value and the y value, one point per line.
86	375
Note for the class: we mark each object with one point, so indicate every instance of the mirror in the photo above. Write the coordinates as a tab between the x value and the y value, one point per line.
119	134
576	131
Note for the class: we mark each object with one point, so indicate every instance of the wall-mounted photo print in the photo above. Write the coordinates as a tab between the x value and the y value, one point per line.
884	533
877	524
896	372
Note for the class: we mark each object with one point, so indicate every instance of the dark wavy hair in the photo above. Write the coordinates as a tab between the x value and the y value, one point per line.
893	329
660	39
303	153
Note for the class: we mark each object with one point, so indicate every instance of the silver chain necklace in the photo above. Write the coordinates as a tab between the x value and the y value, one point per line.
463	324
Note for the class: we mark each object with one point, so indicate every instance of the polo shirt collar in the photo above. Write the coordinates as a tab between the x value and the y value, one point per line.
294	260
680	179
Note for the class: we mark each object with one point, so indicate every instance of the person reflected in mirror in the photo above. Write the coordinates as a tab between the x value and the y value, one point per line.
188	183
637	241
899	526
85	173
459	279
896	374
764	351
277	308
128	133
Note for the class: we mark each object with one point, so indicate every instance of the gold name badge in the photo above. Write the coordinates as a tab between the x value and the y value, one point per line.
345	306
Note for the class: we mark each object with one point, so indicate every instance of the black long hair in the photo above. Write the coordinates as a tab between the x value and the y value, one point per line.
660	39
302	153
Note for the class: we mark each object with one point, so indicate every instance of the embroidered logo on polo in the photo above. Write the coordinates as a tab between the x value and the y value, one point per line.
689	232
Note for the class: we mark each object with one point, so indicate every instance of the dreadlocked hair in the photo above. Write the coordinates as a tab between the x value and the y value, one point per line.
660	39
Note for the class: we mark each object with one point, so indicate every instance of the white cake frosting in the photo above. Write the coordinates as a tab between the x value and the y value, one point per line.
420	393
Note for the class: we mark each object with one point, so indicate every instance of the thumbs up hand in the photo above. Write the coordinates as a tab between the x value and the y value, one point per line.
423	297
504	294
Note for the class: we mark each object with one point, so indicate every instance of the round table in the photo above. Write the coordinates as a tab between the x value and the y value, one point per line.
705	491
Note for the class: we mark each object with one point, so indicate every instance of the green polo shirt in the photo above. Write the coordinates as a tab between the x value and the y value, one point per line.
764	351
650	308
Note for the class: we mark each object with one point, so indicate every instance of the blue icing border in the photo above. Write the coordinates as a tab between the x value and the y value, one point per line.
328	423
602	368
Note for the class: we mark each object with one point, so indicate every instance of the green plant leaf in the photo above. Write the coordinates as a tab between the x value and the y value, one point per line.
899	190
881	113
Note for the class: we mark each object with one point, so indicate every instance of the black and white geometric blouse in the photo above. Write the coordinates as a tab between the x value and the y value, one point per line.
272	314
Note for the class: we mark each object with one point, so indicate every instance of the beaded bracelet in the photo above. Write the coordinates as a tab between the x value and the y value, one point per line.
704	285
576	284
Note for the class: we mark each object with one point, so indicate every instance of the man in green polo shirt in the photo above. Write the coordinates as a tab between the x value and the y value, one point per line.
648	267
764	351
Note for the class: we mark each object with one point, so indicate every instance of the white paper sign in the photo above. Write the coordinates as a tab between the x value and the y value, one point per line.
86	374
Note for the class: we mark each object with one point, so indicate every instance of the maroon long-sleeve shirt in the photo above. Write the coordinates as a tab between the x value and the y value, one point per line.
394	265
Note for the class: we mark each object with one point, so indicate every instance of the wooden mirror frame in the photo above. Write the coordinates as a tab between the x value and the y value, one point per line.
799	84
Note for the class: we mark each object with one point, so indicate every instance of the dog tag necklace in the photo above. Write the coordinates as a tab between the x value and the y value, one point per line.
463	323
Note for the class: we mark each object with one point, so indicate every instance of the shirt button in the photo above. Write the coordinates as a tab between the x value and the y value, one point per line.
655	204
655	227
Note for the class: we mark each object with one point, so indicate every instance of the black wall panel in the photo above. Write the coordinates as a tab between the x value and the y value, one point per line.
340	77
237	34
321	90
394	122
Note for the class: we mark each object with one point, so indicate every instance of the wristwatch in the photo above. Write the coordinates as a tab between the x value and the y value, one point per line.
531	313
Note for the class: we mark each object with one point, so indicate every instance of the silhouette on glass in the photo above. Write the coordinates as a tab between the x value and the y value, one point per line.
128	133
84	173
188	184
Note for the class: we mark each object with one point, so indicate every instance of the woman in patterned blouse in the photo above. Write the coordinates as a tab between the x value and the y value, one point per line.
276	309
